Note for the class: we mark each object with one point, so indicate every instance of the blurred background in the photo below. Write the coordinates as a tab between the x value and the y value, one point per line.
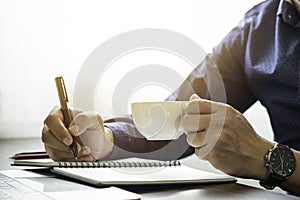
43	39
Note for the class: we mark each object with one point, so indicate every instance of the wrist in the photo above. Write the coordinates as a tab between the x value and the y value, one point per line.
263	172
109	135
281	164
107	146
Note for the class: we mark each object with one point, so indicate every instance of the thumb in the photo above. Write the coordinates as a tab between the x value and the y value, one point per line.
84	121
194	97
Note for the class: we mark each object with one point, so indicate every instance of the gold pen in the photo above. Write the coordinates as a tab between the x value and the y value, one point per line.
63	98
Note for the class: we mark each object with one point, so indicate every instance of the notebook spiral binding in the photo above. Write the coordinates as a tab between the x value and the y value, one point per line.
116	164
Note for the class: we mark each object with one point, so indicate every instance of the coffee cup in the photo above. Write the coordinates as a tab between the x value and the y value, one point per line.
160	120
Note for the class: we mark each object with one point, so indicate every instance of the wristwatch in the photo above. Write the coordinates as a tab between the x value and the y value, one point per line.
281	163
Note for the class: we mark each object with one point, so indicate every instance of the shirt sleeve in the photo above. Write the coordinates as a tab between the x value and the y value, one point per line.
221	76
128	142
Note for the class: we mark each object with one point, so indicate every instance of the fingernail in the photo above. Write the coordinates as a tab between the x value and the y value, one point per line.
67	141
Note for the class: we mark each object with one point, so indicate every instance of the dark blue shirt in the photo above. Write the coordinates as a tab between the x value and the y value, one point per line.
272	67
259	60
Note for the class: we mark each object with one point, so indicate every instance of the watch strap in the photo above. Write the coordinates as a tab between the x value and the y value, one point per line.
271	182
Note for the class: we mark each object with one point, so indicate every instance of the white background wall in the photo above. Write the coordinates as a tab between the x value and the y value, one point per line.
43	39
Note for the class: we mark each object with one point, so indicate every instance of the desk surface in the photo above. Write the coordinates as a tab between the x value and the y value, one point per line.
220	191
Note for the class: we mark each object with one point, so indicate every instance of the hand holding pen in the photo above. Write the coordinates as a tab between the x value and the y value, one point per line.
63	98
84	133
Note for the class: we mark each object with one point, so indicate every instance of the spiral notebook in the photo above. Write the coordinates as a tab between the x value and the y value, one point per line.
131	172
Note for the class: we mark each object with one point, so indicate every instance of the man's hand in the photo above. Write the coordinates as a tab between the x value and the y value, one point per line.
94	140
222	135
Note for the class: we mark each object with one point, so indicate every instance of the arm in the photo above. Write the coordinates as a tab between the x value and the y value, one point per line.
220	134
221	75
130	143
118	138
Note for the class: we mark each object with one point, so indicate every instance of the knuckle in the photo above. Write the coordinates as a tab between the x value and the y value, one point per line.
99	119
54	113
50	119
54	156
81	118
51	153
45	134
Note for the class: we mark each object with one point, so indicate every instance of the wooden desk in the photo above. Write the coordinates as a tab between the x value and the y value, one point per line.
221	191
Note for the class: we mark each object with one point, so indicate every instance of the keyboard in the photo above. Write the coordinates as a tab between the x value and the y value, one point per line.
12	189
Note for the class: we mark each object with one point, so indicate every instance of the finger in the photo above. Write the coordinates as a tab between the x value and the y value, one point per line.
55	123
66	153
49	139
196	123
202	106
199	153
196	139
84	121
67	156
194	97
58	155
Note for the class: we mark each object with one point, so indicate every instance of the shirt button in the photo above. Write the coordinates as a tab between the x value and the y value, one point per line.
290	16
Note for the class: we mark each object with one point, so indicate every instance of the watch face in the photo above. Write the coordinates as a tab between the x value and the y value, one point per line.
282	161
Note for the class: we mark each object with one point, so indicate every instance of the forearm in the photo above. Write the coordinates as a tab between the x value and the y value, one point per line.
128	142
